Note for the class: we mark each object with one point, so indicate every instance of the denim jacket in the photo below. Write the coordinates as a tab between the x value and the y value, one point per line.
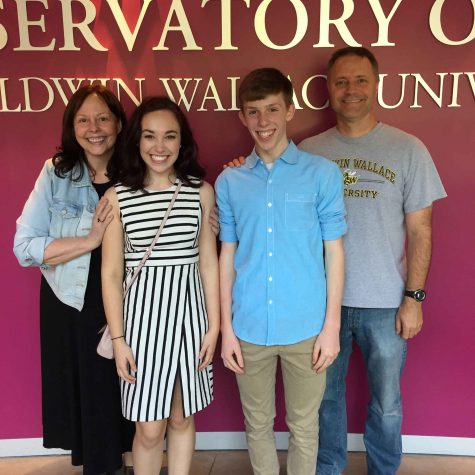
57	208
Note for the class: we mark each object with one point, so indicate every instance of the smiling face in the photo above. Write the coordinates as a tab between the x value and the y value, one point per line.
352	87
266	120
159	146
96	129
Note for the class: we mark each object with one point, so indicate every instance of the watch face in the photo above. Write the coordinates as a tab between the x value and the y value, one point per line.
419	295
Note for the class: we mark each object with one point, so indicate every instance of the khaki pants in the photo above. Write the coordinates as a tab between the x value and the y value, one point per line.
303	394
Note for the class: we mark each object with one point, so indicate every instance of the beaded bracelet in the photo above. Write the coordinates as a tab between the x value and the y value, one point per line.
121	336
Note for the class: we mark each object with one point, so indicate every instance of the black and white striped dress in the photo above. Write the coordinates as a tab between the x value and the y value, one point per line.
164	312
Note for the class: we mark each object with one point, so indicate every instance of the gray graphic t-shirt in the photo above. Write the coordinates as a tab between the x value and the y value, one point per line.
386	174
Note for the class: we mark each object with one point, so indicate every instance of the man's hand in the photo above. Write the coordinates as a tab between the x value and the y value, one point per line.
409	318
419	246
326	349
231	352
237	162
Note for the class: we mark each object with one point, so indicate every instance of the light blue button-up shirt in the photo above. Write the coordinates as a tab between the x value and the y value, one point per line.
280	219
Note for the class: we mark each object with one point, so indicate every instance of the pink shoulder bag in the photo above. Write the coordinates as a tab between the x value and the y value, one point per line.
105	348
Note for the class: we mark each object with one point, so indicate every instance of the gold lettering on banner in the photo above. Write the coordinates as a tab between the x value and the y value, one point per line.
294	97
471	80
196	94
260	24
82	26
305	89
381	87
455	89
63	88
183	26
26	92
129	36
24	27
435	23
213	97
102	81
3	98
339	23
226	42
234	81
421	82
3	31
383	22
183	99
121	85
177	21
70	83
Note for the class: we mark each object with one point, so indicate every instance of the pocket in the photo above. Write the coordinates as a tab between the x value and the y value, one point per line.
300	212
65	219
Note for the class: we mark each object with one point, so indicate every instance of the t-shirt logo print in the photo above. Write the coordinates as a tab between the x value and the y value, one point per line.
350	177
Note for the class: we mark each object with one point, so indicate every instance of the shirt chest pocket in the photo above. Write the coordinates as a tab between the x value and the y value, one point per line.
300	212
67	220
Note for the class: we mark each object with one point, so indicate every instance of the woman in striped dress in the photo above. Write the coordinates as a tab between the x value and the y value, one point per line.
164	332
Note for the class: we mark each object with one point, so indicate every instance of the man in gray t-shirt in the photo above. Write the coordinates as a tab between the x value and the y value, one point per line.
390	185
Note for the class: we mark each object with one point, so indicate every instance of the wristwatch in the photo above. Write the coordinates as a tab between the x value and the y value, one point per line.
418	295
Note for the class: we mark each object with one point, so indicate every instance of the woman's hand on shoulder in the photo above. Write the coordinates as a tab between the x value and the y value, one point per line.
101	219
103	216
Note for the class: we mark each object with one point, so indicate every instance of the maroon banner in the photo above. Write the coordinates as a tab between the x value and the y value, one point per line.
196	52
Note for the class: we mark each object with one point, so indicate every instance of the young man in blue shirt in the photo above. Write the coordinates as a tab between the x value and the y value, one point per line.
282	219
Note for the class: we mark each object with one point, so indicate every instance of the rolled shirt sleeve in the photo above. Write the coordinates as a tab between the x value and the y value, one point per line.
32	227
331	207
227	221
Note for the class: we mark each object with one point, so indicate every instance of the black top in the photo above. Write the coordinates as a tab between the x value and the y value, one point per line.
80	389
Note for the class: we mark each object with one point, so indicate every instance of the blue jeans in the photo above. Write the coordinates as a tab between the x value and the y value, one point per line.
384	353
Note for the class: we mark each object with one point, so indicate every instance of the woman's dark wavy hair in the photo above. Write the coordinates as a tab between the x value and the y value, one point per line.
133	170
70	152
